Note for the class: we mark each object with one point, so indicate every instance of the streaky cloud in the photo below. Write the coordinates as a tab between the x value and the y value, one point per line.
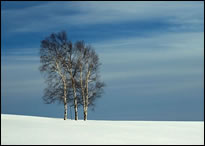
52	15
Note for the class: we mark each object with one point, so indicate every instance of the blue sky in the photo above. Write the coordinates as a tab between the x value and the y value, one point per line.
152	56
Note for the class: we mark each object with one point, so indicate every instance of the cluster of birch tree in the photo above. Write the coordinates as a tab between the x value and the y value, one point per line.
71	71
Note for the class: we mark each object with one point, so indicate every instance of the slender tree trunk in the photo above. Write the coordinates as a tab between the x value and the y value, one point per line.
76	110
65	102
75	99
65	109
86	104
83	94
63	78
86	110
85	114
71	113
86	98
74	91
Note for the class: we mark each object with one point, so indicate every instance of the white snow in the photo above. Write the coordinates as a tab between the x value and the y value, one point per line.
16	129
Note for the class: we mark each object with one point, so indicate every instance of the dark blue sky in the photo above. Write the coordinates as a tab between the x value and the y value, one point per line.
151	52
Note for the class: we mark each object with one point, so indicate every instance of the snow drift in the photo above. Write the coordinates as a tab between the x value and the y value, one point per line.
16	129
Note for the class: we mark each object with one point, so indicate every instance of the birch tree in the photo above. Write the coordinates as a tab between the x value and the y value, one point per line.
89	80
51	65
69	62
71	71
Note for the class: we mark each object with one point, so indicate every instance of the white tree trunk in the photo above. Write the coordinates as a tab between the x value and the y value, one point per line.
86	98
83	94
85	114
76	109
75	99
65	101
65	109
63	78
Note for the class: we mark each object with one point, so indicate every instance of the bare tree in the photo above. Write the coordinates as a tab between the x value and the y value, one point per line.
51	64
69	63
89	80
71	71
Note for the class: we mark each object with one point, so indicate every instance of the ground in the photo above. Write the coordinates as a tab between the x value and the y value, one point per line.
16	129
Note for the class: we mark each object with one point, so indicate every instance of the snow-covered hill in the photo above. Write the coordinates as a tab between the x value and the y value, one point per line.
16	129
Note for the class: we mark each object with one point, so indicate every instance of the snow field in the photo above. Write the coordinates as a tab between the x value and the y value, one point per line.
16	129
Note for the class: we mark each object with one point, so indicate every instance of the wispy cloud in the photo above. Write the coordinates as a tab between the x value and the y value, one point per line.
20	76
60	14
164	47
174	56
